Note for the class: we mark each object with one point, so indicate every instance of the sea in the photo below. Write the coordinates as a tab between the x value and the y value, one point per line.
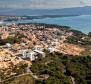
81	23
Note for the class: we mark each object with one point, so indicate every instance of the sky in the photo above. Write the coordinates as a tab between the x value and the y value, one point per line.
44	4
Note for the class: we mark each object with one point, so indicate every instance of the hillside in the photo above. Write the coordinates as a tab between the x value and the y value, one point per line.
28	12
49	53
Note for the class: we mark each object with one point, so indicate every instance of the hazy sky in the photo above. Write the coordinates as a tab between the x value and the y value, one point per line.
43	4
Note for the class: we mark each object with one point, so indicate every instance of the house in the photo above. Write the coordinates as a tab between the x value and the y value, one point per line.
40	52
32	55
50	49
29	55
37	47
8	45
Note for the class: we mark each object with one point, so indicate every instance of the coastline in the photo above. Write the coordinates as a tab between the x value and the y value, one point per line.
81	23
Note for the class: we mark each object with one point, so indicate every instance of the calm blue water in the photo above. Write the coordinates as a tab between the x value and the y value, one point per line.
82	23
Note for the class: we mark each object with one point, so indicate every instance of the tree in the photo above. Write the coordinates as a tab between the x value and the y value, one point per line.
89	34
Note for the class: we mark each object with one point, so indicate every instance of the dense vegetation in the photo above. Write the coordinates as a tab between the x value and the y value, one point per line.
79	38
5	75
26	79
61	67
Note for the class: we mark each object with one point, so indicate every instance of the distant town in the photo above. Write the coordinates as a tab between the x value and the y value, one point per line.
16	18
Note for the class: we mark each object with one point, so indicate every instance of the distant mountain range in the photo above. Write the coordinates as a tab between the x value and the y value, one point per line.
66	11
